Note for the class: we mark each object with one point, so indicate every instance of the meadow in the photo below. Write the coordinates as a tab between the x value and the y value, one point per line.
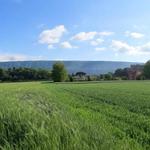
75	116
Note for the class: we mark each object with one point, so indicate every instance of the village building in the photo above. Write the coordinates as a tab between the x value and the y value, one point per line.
135	71
80	76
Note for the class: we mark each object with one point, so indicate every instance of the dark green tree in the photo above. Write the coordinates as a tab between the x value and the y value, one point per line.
70	78
108	76
59	72
24	74
1	74
147	70
121	72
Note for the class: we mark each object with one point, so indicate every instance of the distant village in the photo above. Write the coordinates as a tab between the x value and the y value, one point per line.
60	74
134	72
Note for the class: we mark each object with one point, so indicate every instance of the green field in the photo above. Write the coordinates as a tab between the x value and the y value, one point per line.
94	116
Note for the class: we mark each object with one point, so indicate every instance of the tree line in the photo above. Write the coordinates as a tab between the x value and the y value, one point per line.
119	74
59	74
24	74
144	75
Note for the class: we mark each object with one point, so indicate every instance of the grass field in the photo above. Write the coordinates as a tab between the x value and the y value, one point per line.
95	116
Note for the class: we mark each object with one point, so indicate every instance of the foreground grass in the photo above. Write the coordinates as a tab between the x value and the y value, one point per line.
46	116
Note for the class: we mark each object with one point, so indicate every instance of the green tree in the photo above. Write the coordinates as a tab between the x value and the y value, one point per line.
121	72
59	73
147	70
1	74
108	76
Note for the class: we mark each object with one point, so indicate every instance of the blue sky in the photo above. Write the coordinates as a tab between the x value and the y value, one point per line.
111	30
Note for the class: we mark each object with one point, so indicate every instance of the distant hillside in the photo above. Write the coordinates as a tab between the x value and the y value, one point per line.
90	67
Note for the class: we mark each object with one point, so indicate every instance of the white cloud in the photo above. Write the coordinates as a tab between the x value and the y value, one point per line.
50	47
12	57
4	57
84	36
67	45
52	36
134	35
105	33
145	48
123	47
97	42
100	49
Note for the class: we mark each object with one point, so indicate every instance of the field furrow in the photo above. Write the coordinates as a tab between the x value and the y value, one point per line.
111	115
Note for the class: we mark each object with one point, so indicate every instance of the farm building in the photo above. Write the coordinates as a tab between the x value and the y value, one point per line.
134	71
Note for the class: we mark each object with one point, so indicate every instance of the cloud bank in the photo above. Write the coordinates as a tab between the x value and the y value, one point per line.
52	36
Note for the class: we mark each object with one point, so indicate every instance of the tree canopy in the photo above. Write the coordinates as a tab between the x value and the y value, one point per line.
24	74
121	72
147	70
59	72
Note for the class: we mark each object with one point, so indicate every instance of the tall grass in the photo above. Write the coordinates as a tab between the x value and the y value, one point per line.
36	116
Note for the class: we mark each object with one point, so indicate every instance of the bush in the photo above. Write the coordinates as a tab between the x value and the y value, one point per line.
108	76
59	73
124	78
140	77
71	79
